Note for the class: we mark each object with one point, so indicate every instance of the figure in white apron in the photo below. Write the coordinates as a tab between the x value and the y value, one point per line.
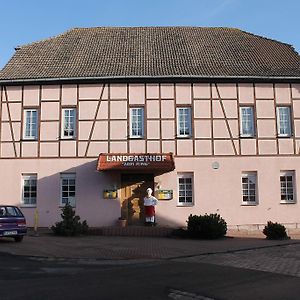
149	204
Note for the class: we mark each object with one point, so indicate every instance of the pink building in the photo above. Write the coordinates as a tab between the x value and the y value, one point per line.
207	117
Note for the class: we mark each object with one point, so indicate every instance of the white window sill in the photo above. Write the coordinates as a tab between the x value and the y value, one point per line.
28	205
29	138
68	138
287	202
183	136
247	136
185	204
284	135
249	204
136	137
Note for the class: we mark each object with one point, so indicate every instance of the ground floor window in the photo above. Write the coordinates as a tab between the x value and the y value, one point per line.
29	189
68	184
287	186
185	189
249	188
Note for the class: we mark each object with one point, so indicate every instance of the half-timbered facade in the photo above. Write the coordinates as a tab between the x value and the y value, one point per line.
215	134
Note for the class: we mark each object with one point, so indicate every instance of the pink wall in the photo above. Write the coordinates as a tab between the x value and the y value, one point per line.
219	190
89	189
104	109
226	199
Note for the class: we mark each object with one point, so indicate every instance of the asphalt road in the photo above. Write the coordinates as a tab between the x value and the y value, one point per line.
27	278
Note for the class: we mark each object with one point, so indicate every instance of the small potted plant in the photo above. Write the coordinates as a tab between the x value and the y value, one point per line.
122	222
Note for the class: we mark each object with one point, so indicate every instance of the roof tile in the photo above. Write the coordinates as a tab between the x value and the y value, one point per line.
153	52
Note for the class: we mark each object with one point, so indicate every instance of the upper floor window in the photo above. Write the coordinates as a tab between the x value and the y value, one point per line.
184	122
68	122
185	189
29	189
249	188
284	121
287	187
68	185
30	125
247	121
136	122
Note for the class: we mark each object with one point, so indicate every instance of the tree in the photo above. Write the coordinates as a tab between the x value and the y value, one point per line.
70	224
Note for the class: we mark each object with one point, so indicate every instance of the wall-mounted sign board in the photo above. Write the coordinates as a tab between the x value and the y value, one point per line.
136	161
164	194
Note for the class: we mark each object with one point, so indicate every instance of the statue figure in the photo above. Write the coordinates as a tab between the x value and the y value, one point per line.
149	204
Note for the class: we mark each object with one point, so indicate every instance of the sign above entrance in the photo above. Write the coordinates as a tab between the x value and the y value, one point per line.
162	162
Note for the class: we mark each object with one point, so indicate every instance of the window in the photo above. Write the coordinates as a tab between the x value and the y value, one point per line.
29	189
10	211
247	121
287	187
136	122
185	189
284	121
67	189
249	188
31	122
68	123
184	126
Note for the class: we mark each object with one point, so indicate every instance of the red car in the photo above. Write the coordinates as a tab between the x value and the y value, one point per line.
12	222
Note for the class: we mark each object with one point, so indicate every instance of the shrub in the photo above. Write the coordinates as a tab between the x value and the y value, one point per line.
275	231
70	224
206	227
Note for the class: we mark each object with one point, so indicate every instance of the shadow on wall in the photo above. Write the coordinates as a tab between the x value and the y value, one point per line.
169	222
89	203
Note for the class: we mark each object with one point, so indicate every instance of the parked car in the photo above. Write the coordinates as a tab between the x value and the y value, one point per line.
12	222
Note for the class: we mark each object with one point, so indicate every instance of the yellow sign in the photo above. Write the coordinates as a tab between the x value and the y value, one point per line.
164	194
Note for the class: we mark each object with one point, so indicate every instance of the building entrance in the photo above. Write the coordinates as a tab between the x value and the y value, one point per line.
133	191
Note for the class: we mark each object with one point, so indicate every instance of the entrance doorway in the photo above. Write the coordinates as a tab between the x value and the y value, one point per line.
133	191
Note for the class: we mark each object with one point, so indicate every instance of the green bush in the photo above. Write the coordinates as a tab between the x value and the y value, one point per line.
70	224
206	227
275	231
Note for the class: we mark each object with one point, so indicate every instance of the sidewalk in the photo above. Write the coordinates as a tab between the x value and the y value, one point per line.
122	248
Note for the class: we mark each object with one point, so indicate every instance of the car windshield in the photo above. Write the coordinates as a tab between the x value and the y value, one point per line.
10	211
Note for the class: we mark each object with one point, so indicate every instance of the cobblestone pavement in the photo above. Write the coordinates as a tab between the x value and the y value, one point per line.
283	259
123	248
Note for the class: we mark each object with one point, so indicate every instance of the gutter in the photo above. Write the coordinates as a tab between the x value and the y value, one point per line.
178	78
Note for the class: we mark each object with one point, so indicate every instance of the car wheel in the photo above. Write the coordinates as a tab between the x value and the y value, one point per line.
18	239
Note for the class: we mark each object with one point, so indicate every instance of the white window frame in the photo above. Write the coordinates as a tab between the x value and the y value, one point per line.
64	110
286	174
250	118
30	177
33	126
186	176
289	128
252	176
187	121
67	176
138	123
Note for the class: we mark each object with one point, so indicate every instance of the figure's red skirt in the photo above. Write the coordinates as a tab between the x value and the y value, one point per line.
149	211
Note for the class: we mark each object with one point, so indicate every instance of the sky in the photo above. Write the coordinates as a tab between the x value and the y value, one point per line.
25	21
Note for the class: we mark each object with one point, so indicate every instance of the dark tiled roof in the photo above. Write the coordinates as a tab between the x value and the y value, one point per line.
153	52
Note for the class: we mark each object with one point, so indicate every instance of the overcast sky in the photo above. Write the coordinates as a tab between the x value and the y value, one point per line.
25	21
